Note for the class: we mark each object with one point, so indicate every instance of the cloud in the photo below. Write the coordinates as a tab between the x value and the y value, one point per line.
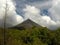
12	18
30	11
33	13
55	11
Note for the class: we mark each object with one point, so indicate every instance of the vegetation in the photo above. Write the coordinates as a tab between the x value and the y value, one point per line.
33	36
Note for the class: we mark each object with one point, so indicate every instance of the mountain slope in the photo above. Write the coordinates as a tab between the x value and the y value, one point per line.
27	24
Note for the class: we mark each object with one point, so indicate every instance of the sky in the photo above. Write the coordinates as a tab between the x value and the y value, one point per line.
43	12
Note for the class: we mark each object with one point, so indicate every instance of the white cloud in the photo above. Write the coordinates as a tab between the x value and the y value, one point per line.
33	13
12	18
31	9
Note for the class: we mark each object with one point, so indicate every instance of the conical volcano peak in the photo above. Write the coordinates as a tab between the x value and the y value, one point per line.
28	24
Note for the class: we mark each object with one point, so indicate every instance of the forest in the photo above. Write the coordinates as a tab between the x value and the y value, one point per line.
32	36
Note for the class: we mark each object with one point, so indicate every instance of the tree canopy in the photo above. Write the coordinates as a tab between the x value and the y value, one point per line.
33	36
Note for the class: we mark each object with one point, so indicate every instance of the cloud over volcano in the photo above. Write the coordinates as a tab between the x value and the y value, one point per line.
33	13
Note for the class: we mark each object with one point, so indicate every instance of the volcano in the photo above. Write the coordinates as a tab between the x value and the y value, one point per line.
27	24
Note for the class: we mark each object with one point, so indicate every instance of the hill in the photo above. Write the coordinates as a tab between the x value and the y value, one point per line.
29	33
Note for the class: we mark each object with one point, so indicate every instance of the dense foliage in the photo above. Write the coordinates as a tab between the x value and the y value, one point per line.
32	36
